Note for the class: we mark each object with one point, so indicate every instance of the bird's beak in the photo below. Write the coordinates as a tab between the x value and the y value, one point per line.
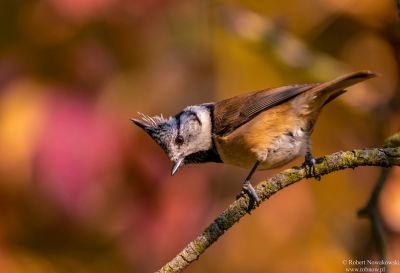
177	165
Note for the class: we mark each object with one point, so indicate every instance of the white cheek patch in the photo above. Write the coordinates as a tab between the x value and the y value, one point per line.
195	128
201	140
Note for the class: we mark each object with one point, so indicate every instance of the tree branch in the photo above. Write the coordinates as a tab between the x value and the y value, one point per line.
382	157
371	210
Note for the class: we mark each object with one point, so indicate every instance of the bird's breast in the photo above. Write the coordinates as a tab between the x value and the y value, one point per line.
274	138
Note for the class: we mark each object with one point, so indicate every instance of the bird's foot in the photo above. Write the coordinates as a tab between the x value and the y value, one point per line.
247	188
309	165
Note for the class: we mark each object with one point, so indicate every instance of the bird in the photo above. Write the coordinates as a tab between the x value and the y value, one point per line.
260	130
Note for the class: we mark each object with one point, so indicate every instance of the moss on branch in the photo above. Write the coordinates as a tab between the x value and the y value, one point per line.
381	157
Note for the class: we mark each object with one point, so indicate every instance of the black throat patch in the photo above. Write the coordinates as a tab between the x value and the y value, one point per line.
210	155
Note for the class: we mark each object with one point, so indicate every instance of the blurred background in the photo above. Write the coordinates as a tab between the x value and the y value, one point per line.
83	190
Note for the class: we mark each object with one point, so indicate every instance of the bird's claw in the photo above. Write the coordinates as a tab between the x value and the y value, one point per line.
248	189
309	166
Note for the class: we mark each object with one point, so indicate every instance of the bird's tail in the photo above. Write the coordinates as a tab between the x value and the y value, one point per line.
313	100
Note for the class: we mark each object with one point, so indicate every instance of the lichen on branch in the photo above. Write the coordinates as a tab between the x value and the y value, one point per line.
381	157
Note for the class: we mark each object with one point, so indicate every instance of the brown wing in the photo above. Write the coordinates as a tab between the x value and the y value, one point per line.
231	113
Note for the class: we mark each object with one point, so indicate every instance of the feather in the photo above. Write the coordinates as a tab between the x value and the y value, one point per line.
154	121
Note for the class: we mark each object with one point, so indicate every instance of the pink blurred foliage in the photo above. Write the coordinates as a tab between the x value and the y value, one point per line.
164	212
77	154
159	228
81	10
151	163
93	63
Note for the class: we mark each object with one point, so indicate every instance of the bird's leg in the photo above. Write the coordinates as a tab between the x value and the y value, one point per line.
309	162
248	188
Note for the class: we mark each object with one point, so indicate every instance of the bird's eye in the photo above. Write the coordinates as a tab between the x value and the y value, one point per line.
179	140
